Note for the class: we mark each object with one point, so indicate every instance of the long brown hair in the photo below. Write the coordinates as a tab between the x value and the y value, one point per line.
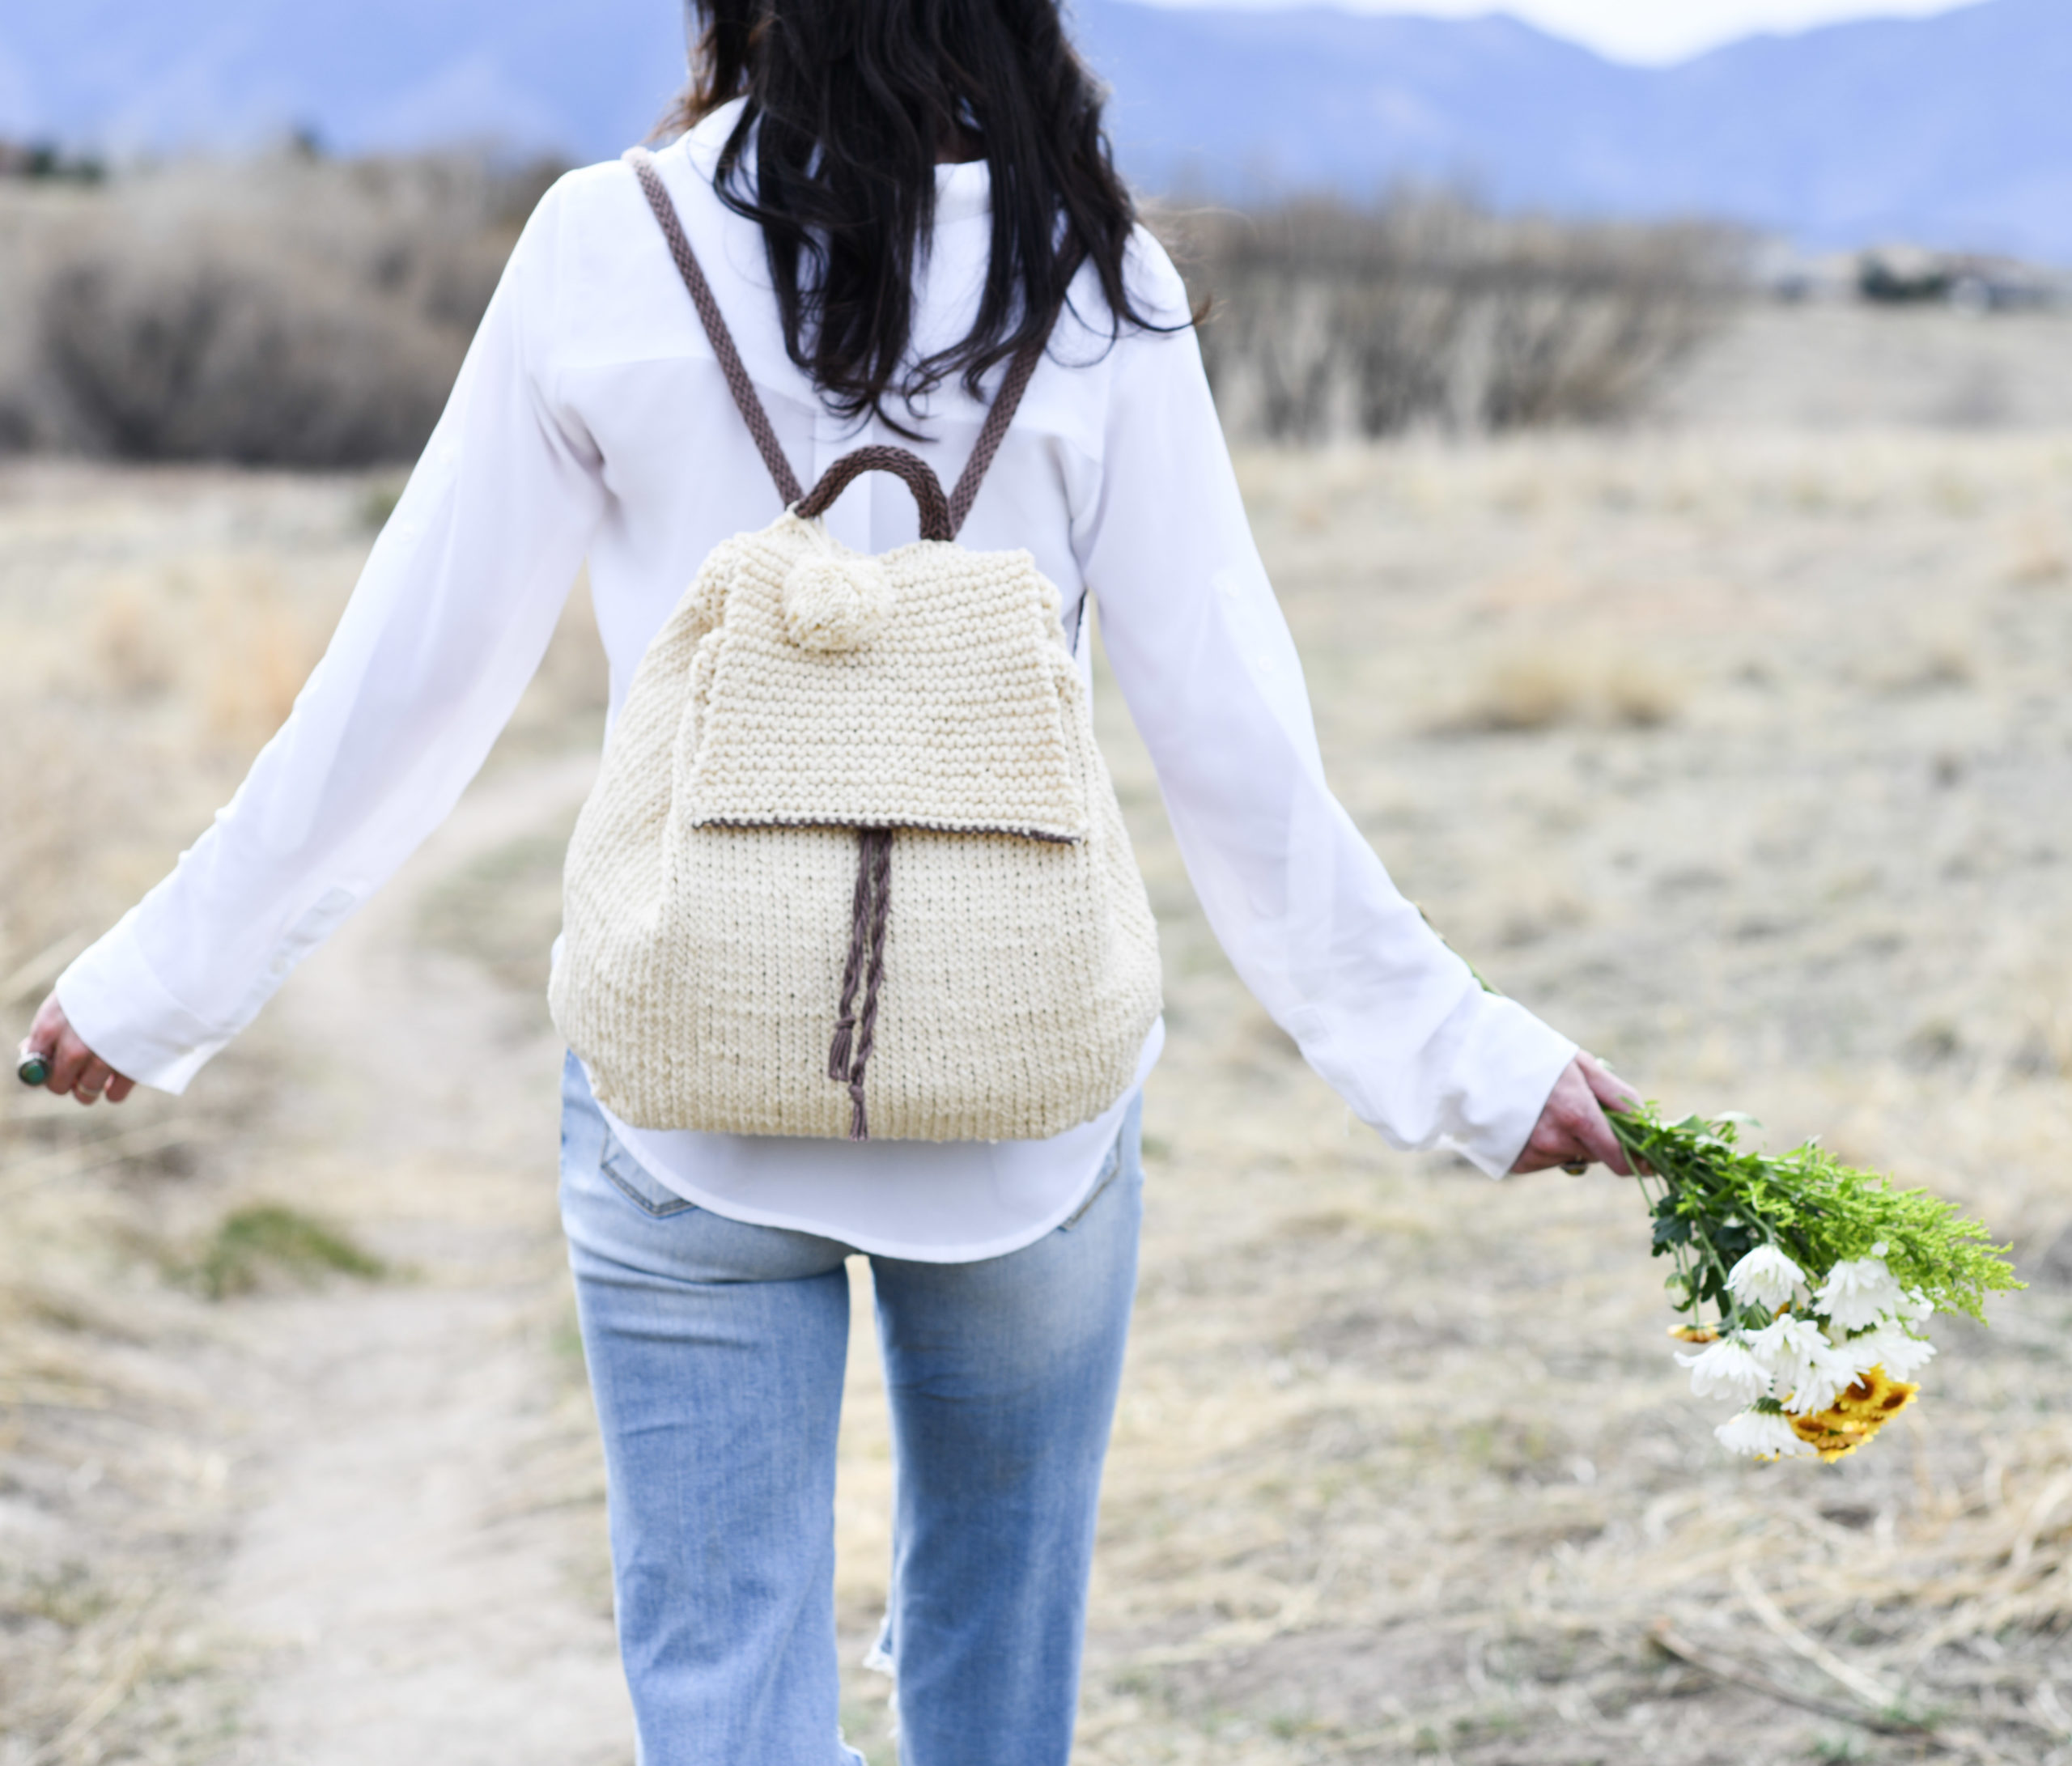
850	105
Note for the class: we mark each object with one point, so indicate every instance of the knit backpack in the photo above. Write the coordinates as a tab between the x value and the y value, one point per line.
853	864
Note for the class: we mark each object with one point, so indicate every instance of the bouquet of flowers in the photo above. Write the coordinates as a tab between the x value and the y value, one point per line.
1820	1279
1807	1285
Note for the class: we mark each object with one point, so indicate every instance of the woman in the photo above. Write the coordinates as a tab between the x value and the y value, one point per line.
889	198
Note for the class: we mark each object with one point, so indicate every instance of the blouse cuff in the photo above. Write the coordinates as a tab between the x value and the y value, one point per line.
1517	1059
114	1000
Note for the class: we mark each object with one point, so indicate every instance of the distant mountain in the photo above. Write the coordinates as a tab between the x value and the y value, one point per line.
1953	130
581	78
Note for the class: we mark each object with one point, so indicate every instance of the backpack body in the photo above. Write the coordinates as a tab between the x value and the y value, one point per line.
853	864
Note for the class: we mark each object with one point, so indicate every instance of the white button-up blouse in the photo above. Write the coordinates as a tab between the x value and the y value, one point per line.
592	419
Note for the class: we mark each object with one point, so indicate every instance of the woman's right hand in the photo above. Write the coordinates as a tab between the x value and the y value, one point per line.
1571	1131
75	1069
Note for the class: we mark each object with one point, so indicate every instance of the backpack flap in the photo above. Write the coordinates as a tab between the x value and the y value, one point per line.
924	689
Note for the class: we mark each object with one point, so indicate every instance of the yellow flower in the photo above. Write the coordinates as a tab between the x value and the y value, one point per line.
1832	1435
1876	1397
1694	1333
1856	1415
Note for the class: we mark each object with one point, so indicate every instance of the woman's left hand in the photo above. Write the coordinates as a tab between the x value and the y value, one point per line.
73	1066
1572	1130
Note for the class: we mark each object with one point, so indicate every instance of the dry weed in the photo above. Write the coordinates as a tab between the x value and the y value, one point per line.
1523	693
123	738
1403	1468
1528	693
2040	556
257	651
131	641
1637	696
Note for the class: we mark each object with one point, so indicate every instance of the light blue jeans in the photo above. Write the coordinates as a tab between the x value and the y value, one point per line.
717	1352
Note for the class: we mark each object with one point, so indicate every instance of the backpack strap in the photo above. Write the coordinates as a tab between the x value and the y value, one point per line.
1005	401
941	517
722	340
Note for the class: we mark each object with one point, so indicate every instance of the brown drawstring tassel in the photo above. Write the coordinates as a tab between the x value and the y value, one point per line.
850	1052
859	920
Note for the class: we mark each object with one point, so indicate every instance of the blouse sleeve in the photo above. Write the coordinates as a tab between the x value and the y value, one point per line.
1378	1005
448	624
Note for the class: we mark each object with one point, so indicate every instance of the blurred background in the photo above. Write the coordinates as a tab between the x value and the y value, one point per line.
1657	422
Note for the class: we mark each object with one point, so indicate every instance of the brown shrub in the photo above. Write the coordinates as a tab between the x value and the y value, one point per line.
272	311
226	353
1328	320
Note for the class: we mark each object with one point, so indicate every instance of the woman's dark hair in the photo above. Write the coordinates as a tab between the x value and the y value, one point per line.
851	104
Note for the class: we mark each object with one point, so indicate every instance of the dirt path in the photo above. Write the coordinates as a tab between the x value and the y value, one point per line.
419	1576
1743	758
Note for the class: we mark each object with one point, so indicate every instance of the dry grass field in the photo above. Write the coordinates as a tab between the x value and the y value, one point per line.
1743	755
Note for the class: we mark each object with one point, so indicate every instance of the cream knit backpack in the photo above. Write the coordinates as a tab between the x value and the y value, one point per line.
853	862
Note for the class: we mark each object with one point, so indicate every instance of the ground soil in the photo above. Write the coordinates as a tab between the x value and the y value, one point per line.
1742	756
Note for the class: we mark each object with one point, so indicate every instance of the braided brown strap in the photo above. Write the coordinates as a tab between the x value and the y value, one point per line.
715	326
849	1056
952	511
1019	371
936	523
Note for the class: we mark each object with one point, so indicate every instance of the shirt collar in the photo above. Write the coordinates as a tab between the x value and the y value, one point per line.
963	192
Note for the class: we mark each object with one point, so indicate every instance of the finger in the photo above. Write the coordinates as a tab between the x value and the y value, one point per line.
1606	1086
119	1088
48	1023
92	1082
1593	1135
1613	1093
70	1058
1548	1145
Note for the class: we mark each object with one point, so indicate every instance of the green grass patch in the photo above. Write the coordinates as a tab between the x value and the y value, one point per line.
270	1238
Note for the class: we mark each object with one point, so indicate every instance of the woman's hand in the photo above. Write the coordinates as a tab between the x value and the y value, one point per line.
73	1066
1572	1130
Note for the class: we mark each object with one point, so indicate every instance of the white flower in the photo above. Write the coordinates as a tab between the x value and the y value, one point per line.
1726	1369
1826	1375
1917	1306
1859	1363
1761	1435
1786	1346
1855	1293
1809	1371
1893	1347
1765	1277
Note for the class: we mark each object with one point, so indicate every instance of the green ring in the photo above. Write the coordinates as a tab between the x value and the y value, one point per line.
33	1070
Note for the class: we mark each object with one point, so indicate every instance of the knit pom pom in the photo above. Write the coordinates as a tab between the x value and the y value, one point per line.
835	601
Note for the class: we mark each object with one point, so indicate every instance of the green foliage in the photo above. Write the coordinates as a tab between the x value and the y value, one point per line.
253	1240
1714	1201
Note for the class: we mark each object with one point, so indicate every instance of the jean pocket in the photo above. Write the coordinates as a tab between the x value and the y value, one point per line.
1109	1169
639	1186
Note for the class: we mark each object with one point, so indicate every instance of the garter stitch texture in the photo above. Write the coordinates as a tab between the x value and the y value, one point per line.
710	899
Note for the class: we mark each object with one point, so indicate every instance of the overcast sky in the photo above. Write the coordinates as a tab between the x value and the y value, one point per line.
1648	29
